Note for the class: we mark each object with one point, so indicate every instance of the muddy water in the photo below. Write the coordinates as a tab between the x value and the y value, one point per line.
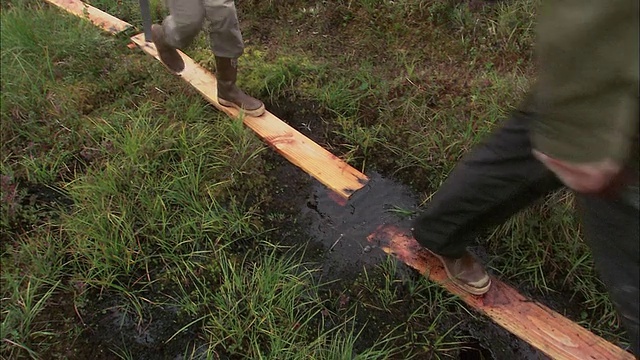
340	230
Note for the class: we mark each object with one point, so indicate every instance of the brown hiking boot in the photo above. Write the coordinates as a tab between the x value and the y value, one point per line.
467	273
229	94
168	55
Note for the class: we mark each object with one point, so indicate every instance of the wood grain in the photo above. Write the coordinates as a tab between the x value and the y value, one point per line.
543	328
330	170
98	17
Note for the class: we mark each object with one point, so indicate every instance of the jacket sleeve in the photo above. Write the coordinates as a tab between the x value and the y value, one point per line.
587	87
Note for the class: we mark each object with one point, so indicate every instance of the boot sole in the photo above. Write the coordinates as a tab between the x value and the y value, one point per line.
255	112
470	289
175	71
170	56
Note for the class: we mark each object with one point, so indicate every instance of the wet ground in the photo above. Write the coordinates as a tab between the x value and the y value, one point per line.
334	236
111	331
342	230
334	233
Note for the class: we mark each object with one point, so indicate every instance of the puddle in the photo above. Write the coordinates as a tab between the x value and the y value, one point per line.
342	230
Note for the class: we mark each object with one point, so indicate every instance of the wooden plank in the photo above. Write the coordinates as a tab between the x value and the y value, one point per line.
98	17
330	170
543	328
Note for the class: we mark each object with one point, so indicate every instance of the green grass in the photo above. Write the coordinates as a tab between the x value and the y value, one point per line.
124	193
265	311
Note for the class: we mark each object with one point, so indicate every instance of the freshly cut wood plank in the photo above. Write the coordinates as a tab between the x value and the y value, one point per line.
330	170
98	17
543	328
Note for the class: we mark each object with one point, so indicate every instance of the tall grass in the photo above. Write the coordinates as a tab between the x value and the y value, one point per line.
159	210
160	200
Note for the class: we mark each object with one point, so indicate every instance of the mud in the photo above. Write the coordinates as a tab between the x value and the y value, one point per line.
333	234
306	116
111	331
491	342
27	204
342	230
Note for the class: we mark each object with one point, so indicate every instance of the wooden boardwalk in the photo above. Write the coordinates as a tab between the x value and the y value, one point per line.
543	328
99	18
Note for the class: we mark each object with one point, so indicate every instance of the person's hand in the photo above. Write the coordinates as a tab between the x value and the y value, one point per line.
604	178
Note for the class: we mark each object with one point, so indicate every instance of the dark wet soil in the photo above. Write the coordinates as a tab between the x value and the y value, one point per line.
334	236
306	116
27	204
342	230
111	331
95	324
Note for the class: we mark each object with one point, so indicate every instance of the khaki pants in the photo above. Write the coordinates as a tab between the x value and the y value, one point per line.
187	17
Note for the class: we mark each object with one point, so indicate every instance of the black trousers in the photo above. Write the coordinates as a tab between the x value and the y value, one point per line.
499	178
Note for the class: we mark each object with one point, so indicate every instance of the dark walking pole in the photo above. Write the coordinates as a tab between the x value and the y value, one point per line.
146	19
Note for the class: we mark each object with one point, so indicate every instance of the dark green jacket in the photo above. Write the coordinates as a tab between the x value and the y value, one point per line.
587	90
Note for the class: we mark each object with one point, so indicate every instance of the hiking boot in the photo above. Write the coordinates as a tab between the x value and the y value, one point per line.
229	94
168	54
466	273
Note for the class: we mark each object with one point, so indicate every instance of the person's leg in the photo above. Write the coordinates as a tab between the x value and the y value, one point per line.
490	184
177	31
227	46
611	230
184	22
224	33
